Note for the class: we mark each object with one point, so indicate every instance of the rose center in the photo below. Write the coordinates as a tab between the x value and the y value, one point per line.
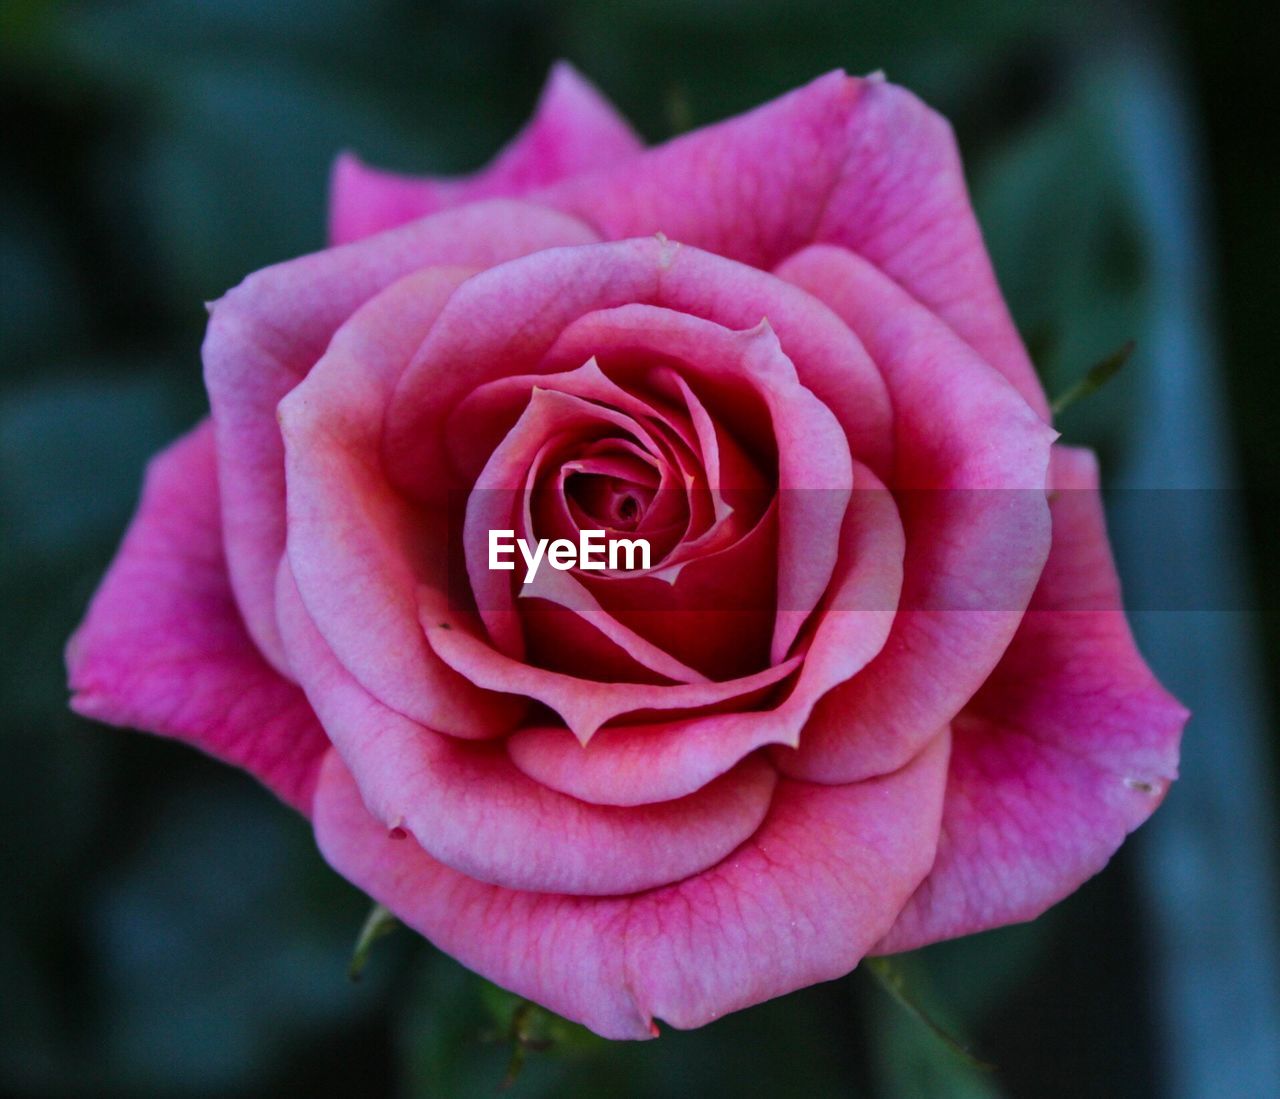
610	501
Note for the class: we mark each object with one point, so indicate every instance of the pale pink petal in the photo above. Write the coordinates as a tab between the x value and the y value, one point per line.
358	550
828	359
265	335
800	902
857	163
640	764
473	810
163	648
585	704
1070	745
505	320
971	461
573	130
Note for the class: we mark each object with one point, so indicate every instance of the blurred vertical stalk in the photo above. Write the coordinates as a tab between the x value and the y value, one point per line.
1207	866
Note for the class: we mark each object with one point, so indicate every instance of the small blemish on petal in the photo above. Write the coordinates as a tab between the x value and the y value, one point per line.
1140	785
667	250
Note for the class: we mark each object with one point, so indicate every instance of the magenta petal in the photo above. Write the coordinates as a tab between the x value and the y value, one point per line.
163	647
857	163
800	902
971	460
265	335
639	764
1070	745
573	130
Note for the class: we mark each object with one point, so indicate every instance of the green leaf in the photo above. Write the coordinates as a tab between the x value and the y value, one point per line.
530	1028
1097	376
378	924
894	983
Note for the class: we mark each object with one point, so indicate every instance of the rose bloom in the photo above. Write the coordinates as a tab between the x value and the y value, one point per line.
875	690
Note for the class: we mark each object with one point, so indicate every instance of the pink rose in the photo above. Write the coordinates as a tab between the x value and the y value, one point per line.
874	690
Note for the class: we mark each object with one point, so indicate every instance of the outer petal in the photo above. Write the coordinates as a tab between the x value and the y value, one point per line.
1070	745
357	549
971	460
265	335
858	163
163	648
573	130
469	806
798	903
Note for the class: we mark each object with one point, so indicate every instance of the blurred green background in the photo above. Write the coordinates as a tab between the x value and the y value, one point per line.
167	928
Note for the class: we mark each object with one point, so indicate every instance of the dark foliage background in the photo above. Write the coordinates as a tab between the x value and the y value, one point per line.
167	928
